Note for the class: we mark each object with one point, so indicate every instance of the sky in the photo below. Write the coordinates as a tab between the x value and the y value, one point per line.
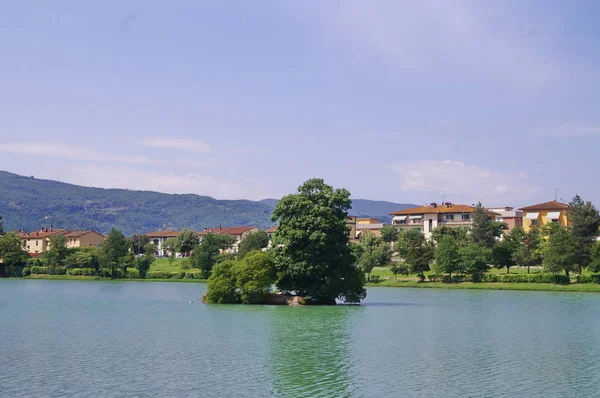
405	101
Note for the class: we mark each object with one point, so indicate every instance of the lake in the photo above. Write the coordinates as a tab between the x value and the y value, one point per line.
103	339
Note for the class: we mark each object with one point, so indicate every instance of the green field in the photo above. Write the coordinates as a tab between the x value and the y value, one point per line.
163	265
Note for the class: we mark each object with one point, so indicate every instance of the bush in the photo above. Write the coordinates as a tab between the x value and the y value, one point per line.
105	273
56	270
88	272
193	275
26	271
37	270
166	275
133	273
375	279
528	278
75	272
589	278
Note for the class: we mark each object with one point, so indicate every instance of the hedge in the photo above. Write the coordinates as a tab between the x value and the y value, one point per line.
589	278
26	271
514	278
56	270
166	275
36	269
133	273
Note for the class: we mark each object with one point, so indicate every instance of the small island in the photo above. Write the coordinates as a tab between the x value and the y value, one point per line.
310	261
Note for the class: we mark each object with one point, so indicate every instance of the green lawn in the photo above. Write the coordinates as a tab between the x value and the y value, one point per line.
163	265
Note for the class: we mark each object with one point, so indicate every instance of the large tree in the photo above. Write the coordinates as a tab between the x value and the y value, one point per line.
484	230
389	233
311	250
417	252
253	241
560	252
371	252
84	257
12	252
138	242
115	252
474	259
595	255
58	251
504	253
205	254
143	263
459	234
170	246
529	253
187	240
585	224
447	256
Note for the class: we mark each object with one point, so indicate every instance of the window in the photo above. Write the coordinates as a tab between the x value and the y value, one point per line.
534	223
466	217
36	243
449	217
554	220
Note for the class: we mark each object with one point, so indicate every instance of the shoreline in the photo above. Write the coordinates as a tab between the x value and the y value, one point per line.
541	287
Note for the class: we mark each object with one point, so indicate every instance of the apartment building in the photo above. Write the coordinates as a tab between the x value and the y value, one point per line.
508	215
159	238
238	233
543	213
38	242
86	238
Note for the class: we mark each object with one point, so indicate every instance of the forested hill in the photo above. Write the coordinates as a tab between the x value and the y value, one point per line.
30	203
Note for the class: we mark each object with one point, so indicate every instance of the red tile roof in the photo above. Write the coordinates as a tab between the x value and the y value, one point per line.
272	229
42	234
552	205
77	234
226	231
436	210
162	234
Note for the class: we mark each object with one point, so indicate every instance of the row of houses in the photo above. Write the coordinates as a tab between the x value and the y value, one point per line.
427	218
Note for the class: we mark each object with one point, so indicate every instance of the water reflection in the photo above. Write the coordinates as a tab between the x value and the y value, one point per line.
309	351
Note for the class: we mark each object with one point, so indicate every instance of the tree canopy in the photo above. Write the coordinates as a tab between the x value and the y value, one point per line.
560	252
416	251
253	241
12	252
205	254
371	251
58	251
585	224
187	240
115	251
389	233
311	249
485	231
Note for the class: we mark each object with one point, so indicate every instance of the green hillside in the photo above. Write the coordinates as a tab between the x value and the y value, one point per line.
30	203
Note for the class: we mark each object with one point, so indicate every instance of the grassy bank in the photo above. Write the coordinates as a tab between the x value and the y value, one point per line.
550	287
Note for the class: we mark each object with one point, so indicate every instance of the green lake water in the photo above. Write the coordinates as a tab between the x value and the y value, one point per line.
102	339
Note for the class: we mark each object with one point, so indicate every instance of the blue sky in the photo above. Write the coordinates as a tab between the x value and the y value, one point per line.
394	100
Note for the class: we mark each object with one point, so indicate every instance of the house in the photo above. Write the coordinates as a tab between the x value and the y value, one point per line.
159	238
429	217
508	215
371	225
38	242
239	233
544	213
367	220
351	223
87	238
270	232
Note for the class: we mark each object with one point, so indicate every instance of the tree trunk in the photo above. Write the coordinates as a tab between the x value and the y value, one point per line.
508	270
528	269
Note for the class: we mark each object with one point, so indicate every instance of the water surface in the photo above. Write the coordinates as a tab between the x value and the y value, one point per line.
91	339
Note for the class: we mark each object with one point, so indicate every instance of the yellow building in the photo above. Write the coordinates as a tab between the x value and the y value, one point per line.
38	242
367	221
544	213
84	239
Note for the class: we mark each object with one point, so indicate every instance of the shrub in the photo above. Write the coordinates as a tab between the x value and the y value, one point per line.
589	278
193	275
105	273
434	277
165	275
531	278
75	272
375	279
133	273
222	284
37	270
88	272
26	271
57	270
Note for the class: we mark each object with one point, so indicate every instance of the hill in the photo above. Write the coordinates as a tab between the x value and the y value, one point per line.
29	203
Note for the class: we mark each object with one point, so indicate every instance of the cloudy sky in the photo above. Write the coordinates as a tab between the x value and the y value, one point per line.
394	100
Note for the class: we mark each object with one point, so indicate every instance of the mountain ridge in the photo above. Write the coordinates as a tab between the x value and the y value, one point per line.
29	203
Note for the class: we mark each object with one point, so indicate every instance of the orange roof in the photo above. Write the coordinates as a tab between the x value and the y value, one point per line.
552	205
77	234
226	231
272	229
42	233
440	209
162	234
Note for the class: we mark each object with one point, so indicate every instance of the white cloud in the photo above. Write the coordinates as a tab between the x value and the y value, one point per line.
72	152
459	182
420	37
106	176
182	144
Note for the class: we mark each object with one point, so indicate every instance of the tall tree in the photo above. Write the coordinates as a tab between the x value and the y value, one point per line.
484	230
170	247
595	255
58	251
311	249
372	252
255	275
474	258
417	252
205	254
560	252
585	228
143	263
389	233
459	234
186	241
138	242
447	256
504	253
115	251
529	253
12	252
84	257
253	241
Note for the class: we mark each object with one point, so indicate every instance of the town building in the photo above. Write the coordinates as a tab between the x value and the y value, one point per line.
351	224
38	242
159	238
87	238
270	231
239	233
508	215
429	217
544	213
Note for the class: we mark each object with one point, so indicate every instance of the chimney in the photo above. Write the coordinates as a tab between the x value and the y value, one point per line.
434	205
220	228
50	227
